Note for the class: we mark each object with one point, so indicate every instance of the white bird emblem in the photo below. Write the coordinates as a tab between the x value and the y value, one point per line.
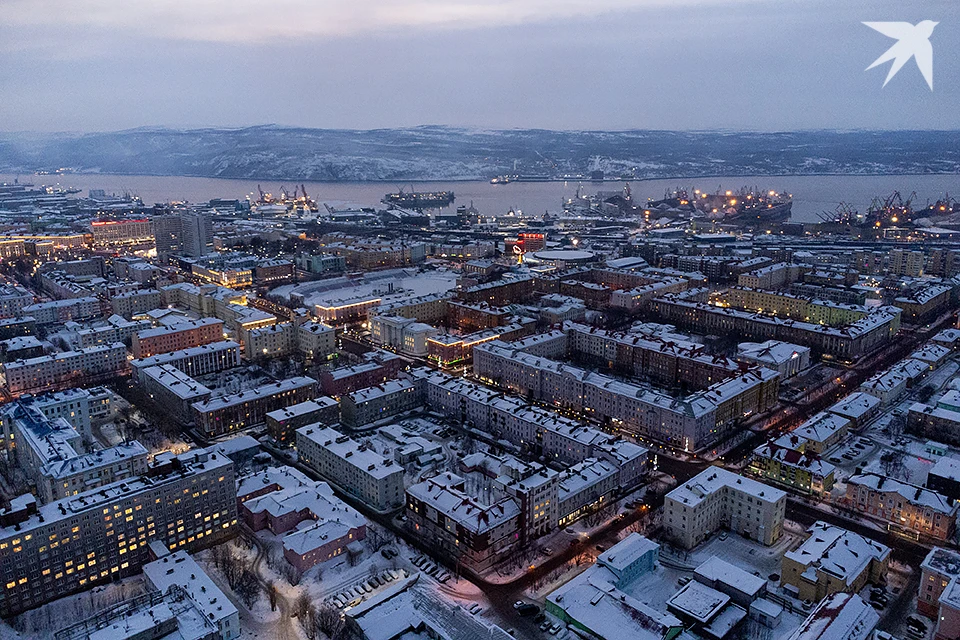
913	41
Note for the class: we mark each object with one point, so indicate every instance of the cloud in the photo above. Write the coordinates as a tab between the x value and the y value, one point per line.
239	21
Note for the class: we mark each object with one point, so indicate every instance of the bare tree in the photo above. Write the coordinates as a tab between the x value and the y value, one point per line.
247	588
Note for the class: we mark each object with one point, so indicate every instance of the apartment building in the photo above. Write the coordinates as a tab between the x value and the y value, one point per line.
282	424
843	343
117	329
906	507
13	298
226	414
183	335
788	462
691	424
53	550
272	341
316	340
533	429
179	573
460	527
59	311
832	560
196	361
378	367
65	370
368	405
718	498
131	303
359	471
173	391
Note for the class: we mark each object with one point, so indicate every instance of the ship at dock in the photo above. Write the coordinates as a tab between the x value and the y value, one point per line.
745	205
419	199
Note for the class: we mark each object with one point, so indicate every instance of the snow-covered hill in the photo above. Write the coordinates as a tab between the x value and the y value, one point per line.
445	153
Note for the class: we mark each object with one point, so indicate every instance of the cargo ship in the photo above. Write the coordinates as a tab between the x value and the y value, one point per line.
419	199
743	205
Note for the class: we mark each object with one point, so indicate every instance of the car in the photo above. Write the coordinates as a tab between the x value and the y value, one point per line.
876	605
683	580
540	617
916	623
723	535
807	605
548	550
601	548
544	625
518	604
555	629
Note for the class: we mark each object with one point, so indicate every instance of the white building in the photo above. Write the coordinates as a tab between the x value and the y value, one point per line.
403	334
360	471
718	498
316	340
786	359
195	361
179	569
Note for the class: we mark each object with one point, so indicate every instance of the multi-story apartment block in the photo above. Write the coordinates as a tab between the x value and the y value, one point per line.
282	424
831	560
316	340
196	361
273	341
845	343
377	368
117	329
174	391
178	572
586	487
127	231
79	542
907	508
59	311
368	405
13	299
718	498
461	527
65	370
691	424
229	413
184	335
788	462
532	428
131	303
358	470
51	452
939	574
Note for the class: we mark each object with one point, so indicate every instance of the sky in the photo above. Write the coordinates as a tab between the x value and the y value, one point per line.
765	65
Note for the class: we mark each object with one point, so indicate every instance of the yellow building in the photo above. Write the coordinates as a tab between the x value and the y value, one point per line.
832	560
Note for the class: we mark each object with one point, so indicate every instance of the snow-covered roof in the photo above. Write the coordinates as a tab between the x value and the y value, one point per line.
716	478
445	494
180	569
855	405
841	616
718	571
842	554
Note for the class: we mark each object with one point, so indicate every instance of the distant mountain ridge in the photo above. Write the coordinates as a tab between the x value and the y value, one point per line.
272	152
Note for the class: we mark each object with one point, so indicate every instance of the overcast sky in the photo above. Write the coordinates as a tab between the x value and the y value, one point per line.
85	65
